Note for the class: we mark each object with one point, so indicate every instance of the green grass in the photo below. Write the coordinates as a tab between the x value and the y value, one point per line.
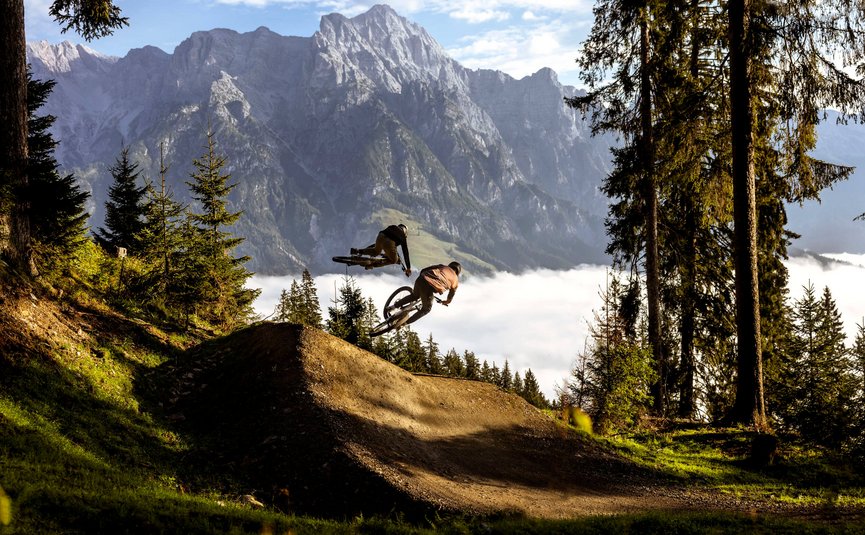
86	448
717	459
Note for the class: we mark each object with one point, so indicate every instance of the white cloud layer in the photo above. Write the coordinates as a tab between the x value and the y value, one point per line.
540	319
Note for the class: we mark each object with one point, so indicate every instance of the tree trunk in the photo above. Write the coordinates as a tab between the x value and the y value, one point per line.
14	220
650	206
687	402
687	324
748	408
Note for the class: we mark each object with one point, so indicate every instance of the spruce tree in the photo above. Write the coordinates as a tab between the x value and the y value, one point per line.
495	375
282	313
506	380
472	367
95	18
347	316
413	355
57	214
227	301
517	383
617	372
486	373
817	387
433	362
160	237
453	364
532	391
125	208
311	307
618	66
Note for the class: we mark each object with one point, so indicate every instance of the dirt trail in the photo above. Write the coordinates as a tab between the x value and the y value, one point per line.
463	444
327	424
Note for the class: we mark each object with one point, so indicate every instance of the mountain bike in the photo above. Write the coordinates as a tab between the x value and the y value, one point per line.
368	262
395	317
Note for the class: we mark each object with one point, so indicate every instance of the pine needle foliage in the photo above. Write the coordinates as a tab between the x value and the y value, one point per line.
225	301
58	217
125	208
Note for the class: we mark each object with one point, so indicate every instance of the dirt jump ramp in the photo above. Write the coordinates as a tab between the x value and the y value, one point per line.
318	426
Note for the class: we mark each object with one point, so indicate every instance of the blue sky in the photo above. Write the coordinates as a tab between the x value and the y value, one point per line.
515	36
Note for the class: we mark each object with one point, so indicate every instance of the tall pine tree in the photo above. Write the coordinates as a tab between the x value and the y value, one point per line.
160	236
227	300
57	214
125	208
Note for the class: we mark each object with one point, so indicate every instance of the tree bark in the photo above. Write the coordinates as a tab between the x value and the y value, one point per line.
650	207
687	402
687	325
14	220
749	407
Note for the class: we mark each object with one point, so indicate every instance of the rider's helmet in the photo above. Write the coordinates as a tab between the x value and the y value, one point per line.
403	228
456	266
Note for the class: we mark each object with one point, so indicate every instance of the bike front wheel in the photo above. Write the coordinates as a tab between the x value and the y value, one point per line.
400	293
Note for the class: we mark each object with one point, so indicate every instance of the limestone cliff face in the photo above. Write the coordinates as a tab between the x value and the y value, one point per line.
323	133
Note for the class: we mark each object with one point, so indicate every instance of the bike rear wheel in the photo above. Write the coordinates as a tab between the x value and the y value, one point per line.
355	260
368	262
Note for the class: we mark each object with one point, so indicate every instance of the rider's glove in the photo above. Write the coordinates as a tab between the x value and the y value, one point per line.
407	272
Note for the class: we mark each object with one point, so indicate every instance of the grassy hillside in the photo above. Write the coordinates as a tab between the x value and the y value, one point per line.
91	441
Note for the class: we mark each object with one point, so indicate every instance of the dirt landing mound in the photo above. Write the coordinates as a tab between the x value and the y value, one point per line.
324	427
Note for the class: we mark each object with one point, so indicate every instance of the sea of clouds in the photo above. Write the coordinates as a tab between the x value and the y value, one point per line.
540	319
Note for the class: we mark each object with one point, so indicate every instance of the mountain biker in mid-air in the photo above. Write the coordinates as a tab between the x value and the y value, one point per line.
386	242
432	279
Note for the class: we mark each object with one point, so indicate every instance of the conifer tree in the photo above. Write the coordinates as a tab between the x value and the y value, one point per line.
618	66
369	319
532	391
433	362
486	373
94	18
347	316
300	305
311	306
817	388
495	375
160	237
453	364
857	353
189	289
517	383
125	208
282	313
228	302
472	367
786	66
617	369
506	380
57	215
289	304
413	355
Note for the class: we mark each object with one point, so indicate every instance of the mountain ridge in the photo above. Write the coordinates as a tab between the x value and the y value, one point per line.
323	132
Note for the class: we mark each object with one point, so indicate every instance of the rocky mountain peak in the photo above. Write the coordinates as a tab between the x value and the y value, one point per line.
65	57
385	48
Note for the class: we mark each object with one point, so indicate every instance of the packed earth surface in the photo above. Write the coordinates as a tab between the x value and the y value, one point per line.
320	426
